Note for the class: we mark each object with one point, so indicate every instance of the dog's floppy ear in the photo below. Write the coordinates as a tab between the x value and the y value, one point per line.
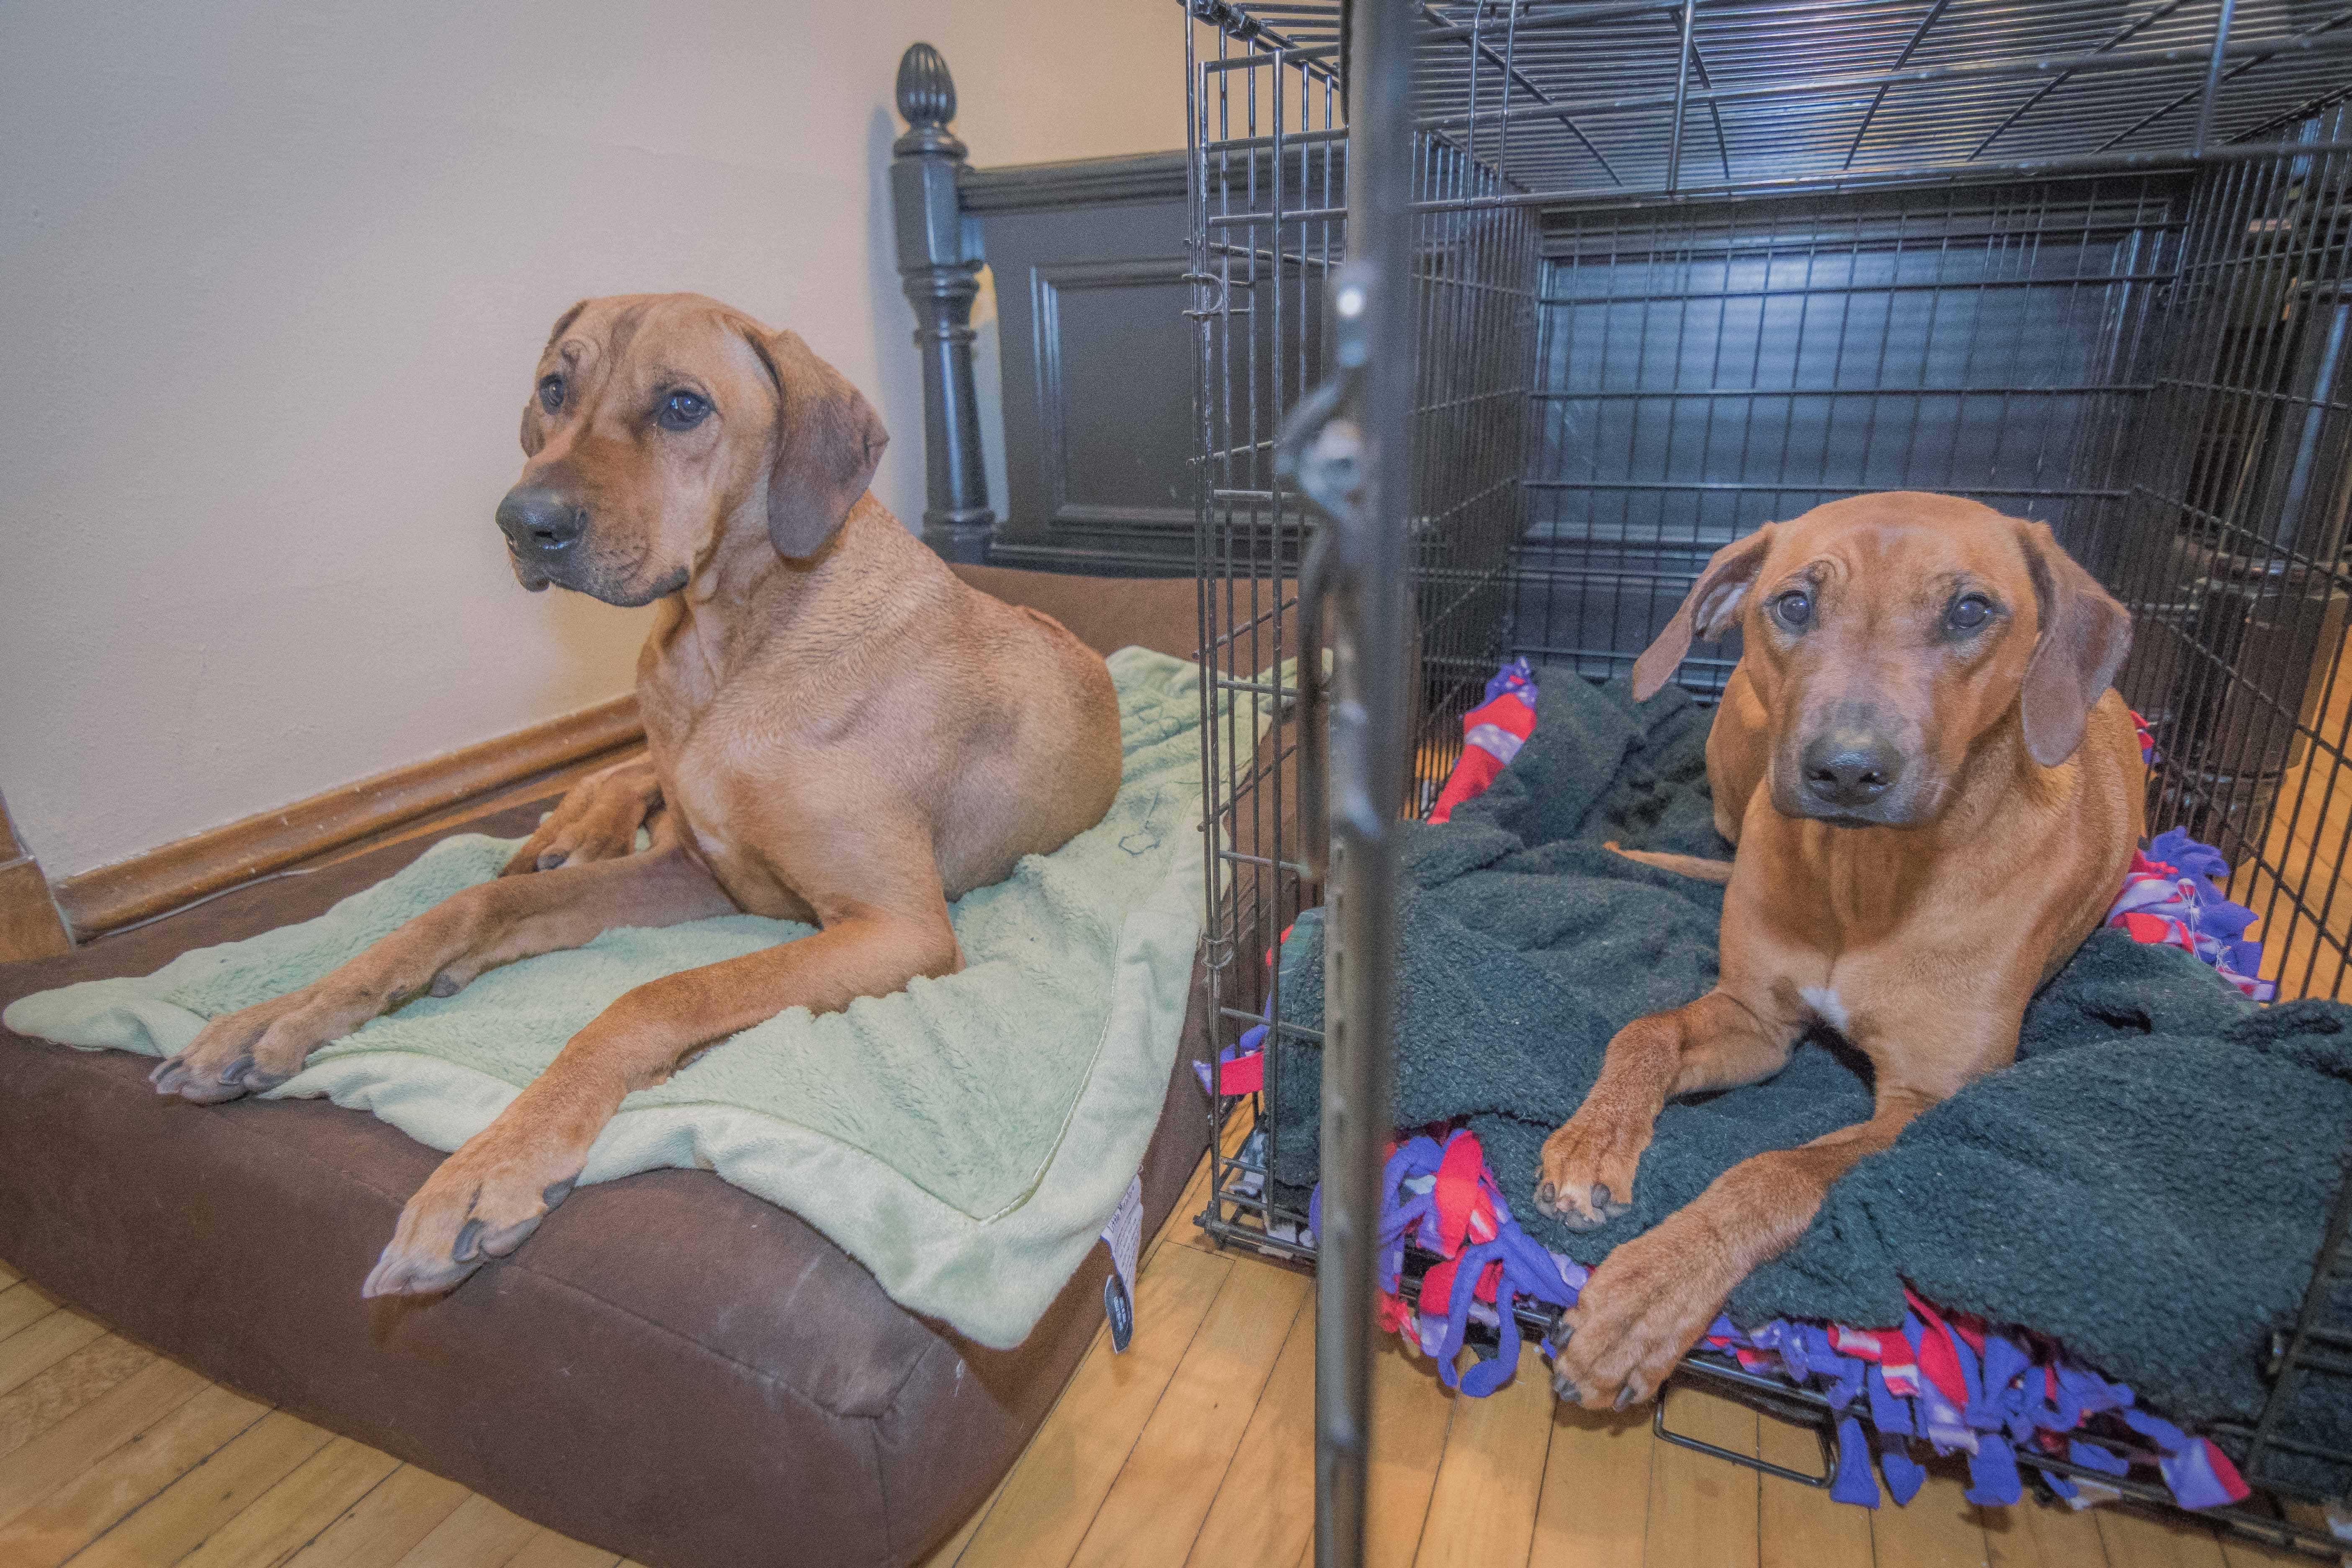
534	429
2083	638
1708	610
829	441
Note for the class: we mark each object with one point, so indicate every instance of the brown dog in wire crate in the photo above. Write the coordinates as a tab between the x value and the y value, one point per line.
1934	795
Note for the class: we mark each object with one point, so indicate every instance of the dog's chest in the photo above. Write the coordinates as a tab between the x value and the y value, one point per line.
733	810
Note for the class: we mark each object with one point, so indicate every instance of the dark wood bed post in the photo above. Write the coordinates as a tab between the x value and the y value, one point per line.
939	265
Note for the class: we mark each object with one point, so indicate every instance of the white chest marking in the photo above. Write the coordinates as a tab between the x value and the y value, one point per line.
1826	1005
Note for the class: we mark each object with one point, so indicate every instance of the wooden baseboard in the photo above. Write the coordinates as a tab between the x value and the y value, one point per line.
99	900
30	926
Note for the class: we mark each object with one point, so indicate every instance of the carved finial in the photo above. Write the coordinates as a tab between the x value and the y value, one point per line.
925	91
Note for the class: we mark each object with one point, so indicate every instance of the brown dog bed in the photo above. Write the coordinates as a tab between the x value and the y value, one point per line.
670	1368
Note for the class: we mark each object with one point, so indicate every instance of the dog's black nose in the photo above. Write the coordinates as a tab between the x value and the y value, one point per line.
1850	768
539	522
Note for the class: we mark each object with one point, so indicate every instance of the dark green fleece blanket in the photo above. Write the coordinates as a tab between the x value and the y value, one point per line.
2149	1183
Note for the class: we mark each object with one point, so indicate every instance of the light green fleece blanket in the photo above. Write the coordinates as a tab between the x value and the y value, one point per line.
965	1139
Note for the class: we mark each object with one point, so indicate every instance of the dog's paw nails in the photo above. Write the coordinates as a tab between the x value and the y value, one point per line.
554	1192
259	1080
553	859
1544	1196
176	1078
236	1070
468	1248
1564	1389
1627	1395
395	1274
444	984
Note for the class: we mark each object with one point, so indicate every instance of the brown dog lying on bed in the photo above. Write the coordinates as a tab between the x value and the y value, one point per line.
841	732
1934	796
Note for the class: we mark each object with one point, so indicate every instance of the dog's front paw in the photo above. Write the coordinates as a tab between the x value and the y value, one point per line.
259	1047
1585	1177
1643	1307
481	1203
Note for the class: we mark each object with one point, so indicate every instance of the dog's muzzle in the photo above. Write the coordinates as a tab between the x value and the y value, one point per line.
1850	776
543	528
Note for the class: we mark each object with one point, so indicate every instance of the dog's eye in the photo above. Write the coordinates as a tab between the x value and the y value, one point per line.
1793	609
1968	611
550	393
683	410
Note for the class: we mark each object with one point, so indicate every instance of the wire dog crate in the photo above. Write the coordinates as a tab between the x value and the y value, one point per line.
1678	270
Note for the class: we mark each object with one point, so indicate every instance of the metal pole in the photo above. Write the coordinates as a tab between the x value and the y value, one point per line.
940	270
2213	78
1372	309
1682	96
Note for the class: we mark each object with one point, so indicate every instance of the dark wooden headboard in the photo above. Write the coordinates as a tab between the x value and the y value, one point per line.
1089	260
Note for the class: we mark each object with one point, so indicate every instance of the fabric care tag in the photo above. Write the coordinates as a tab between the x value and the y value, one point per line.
1124	1235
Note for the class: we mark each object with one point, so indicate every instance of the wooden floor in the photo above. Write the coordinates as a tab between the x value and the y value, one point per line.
1193	1448
113	1456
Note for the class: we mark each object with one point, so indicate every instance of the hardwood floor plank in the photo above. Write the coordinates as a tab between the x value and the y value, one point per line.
477	1534
289	1515
2035	1534
9	1276
80	1441
2137	1540
1801	1526
1155	1506
1594	1512
378	1530
79	1380
548	1550
90	1503
1483	1507
2242	1552
1178	1228
26	1354
1939	1529
1412	1417
22	1305
1703	1510
173	1522
1264	1514
1050	1498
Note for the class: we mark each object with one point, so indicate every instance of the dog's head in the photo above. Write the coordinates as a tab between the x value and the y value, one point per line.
662	427
1888	634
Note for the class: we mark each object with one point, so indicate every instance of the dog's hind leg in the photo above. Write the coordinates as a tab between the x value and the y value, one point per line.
496	922
493	1191
1586	1174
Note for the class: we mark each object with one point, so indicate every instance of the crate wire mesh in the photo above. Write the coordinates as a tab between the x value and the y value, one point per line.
1269	163
1705	370
2229	541
1683	268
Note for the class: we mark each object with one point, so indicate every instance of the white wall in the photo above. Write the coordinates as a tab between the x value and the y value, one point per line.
272	280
